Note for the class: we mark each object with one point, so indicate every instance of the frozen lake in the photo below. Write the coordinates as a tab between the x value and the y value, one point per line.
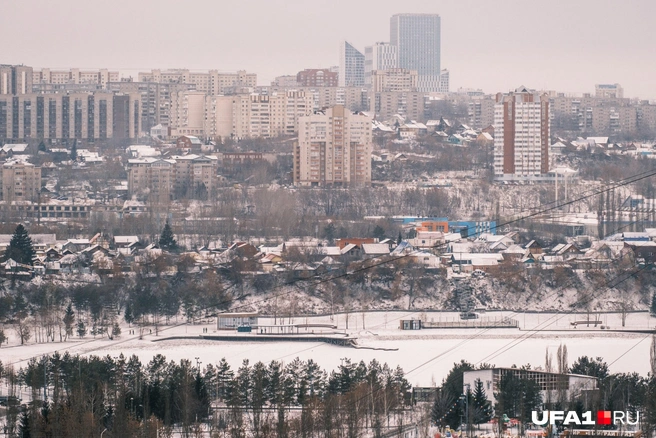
425	355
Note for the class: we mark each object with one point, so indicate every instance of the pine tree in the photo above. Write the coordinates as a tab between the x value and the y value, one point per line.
399	239
69	320
20	247
653	304
166	239
81	329
329	233
74	151
224	376
128	316
482	406
116	330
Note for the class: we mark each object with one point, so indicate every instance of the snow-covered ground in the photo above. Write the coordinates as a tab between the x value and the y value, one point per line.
426	355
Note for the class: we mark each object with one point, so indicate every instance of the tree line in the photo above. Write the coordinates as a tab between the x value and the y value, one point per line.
74	396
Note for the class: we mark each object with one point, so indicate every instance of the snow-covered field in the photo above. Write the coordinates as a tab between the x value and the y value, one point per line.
426	355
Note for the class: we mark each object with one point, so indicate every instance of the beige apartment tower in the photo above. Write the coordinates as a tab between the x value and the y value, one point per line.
333	148
20	181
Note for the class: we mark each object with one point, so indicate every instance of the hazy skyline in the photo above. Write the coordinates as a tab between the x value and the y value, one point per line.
567	46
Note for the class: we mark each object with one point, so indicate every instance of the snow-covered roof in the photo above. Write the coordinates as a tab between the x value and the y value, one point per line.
125	239
141	150
348	248
193	139
330	251
598	140
375	248
514	249
14	147
452	237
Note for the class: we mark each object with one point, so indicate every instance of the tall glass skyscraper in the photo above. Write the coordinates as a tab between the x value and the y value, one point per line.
417	38
351	66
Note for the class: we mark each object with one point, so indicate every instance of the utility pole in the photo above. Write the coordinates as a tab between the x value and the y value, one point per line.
467	392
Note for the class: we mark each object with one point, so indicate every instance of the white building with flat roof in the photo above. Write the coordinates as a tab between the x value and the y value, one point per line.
550	383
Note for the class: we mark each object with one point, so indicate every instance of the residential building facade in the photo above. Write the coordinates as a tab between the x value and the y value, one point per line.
256	115
317	78
407	104
609	90
83	116
162	180
210	82
15	79
334	148
522	136
46	76
380	56
20	181
394	79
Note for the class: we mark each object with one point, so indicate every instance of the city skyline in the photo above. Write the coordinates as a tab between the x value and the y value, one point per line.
565	47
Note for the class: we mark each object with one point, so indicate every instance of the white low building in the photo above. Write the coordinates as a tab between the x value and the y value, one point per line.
232	321
550	383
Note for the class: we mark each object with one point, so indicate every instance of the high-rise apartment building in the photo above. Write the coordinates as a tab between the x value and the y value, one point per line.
351	66
407	104
256	115
156	99
380	56
187	115
333	148
417	39
15	79
481	111
521	135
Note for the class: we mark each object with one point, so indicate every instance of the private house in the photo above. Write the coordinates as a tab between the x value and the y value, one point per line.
533	247
188	142
370	250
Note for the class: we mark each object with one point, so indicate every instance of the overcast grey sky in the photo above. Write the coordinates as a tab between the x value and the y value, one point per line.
496	45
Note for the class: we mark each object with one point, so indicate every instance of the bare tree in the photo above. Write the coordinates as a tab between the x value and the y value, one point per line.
22	328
